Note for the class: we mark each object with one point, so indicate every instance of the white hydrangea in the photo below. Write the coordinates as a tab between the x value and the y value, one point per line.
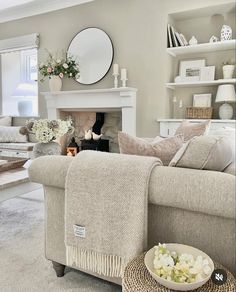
46	130
183	268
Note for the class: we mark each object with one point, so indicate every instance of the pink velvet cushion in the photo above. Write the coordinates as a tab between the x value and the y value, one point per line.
165	149
190	130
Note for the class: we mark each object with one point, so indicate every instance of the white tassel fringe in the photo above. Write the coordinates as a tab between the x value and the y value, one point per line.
107	265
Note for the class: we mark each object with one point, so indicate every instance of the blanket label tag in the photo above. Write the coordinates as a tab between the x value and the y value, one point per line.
79	231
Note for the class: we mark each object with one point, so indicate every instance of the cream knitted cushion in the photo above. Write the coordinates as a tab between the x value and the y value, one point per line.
190	130
11	135
165	149
204	152
5	121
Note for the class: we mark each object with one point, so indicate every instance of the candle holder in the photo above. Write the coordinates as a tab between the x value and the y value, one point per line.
124	82
115	79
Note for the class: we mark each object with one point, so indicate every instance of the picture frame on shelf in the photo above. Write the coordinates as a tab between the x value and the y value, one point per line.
207	73
190	70
202	100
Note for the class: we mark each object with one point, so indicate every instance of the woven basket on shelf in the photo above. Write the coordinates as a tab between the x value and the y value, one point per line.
199	112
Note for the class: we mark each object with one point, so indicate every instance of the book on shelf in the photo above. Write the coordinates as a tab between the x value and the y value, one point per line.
181	43
170	43
183	39
174	38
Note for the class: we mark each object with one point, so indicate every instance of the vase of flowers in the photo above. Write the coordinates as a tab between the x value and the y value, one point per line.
56	68
46	132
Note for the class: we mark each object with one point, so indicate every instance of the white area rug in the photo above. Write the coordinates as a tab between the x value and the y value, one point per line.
23	267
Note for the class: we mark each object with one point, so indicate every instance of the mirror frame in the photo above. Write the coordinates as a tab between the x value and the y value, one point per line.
112	47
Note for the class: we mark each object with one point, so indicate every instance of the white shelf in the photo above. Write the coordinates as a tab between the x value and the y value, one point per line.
202	48
201	83
196	120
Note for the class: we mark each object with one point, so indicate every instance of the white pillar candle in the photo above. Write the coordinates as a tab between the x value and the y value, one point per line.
123	74
115	69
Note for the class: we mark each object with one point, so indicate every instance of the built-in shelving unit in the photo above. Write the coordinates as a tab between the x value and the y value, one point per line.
200	83
203	23
202	48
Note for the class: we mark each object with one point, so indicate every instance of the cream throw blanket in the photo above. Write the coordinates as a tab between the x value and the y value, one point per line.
106	194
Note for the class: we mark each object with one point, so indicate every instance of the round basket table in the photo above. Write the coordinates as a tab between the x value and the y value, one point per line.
137	279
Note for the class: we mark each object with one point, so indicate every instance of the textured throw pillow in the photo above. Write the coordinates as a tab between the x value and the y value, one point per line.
5	121
11	135
204	152
164	149
229	133
190	130
231	169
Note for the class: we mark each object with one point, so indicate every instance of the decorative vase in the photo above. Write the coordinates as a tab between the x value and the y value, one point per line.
50	148
228	71
226	33
55	83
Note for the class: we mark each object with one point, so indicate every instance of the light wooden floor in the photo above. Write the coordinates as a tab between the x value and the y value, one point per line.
14	183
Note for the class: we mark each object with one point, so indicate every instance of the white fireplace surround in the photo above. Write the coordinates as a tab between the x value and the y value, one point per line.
95	100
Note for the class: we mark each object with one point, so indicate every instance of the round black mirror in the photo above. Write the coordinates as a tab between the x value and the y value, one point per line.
93	50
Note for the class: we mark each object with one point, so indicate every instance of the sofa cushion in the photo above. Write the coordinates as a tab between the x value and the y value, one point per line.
11	134
5	121
165	149
204	152
190	130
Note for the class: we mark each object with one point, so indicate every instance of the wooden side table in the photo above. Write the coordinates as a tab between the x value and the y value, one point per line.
137	279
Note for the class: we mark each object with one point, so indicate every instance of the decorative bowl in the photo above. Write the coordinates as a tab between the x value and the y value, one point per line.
180	249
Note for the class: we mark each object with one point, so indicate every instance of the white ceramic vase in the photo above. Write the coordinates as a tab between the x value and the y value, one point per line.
55	83
228	71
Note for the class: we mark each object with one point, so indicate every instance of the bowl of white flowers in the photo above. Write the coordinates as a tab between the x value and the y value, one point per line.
179	267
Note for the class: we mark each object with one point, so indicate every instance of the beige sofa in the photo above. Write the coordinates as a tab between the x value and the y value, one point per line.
194	207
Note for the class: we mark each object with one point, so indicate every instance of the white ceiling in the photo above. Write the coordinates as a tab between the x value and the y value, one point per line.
16	9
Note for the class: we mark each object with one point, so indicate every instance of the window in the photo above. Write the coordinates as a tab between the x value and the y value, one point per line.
19	83
19	76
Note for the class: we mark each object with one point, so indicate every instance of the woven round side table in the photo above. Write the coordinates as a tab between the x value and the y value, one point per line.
137	279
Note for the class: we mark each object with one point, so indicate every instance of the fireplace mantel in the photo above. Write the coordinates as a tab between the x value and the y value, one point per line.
97	100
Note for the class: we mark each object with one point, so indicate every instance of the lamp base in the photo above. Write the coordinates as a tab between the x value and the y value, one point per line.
25	108
226	111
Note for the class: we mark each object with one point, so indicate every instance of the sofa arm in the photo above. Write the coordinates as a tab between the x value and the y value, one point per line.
50	170
208	192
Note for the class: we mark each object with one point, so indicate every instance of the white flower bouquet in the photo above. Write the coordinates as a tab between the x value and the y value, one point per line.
63	66
179	268
47	130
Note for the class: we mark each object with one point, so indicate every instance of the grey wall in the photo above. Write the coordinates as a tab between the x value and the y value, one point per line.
138	31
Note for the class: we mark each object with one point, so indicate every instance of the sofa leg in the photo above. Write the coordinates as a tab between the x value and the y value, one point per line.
59	269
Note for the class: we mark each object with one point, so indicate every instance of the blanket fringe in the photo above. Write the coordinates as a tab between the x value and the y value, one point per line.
103	264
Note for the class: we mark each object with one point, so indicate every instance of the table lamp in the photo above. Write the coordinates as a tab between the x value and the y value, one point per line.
25	91
226	94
